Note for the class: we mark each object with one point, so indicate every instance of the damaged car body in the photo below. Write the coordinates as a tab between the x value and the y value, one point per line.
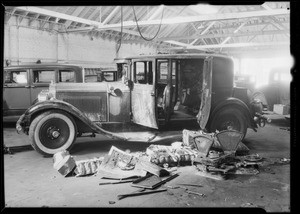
155	91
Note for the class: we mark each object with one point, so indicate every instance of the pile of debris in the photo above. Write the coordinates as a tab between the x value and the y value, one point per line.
215	155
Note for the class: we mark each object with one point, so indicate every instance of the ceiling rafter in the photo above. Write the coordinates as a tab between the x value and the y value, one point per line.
222	35
112	14
234	32
77	11
172	24
232	45
275	22
157	12
204	31
176	20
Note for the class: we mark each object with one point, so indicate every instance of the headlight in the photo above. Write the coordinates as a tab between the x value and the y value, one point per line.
44	95
257	106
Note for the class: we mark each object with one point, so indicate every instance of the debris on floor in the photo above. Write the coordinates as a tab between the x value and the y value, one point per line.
64	163
13	149
120	163
88	167
248	205
283	161
214	155
140	192
173	155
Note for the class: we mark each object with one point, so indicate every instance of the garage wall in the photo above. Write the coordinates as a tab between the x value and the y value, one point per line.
25	44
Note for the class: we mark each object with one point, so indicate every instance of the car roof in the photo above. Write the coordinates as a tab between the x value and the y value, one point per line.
43	65
176	55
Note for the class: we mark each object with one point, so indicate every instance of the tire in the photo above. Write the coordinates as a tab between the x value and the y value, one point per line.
52	131
229	118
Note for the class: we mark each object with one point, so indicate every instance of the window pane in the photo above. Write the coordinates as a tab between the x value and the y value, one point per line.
66	76
140	73
109	76
16	77
90	78
44	76
162	71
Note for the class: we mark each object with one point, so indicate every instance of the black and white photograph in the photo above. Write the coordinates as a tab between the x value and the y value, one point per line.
148	105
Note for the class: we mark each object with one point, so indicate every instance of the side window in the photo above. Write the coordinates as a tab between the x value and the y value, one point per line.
143	72
109	76
17	76
163	71
43	76
66	76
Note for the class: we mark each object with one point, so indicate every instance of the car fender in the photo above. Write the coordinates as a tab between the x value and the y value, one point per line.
231	101
43	106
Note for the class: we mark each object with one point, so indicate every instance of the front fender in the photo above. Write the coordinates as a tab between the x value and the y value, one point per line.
40	107
240	104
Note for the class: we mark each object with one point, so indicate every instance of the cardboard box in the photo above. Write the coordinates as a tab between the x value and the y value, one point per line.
281	109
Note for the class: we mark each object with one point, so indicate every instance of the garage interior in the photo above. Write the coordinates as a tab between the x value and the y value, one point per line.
257	37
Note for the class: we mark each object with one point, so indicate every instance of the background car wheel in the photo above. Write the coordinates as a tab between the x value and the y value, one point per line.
51	132
229	119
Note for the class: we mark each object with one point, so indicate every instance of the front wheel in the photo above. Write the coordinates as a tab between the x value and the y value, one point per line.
229	119
52	131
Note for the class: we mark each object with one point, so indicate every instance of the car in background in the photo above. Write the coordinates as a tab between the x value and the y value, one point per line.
244	81
277	91
23	83
100	75
155	92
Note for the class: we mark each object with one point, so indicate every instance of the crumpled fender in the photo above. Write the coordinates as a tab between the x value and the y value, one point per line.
236	102
64	106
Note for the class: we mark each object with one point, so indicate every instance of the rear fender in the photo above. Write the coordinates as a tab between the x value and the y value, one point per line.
47	105
234	102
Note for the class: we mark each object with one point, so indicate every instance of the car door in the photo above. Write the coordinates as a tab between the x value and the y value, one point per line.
204	111
143	101
41	78
16	91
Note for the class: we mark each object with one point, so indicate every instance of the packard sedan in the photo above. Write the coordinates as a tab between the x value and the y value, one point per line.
155	91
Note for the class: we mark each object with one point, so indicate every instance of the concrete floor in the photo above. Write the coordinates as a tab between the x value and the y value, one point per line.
31	181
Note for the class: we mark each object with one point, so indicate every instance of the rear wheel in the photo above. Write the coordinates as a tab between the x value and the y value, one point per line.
229	119
52	131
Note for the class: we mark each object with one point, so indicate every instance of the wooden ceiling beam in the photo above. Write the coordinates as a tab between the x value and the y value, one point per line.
222	35
233	45
170	21
77	11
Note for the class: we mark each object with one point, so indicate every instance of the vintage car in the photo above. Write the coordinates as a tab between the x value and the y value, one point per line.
154	92
277	91
23	83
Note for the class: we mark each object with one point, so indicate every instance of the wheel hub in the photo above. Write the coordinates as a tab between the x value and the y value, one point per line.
53	133
228	125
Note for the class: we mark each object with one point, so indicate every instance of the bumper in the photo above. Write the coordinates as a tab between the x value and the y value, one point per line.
261	119
19	124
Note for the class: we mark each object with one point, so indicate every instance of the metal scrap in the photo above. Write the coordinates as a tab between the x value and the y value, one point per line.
196	193
151	181
140	193
117	182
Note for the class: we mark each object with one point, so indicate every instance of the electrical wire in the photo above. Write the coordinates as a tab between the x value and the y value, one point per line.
120	40
139	30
